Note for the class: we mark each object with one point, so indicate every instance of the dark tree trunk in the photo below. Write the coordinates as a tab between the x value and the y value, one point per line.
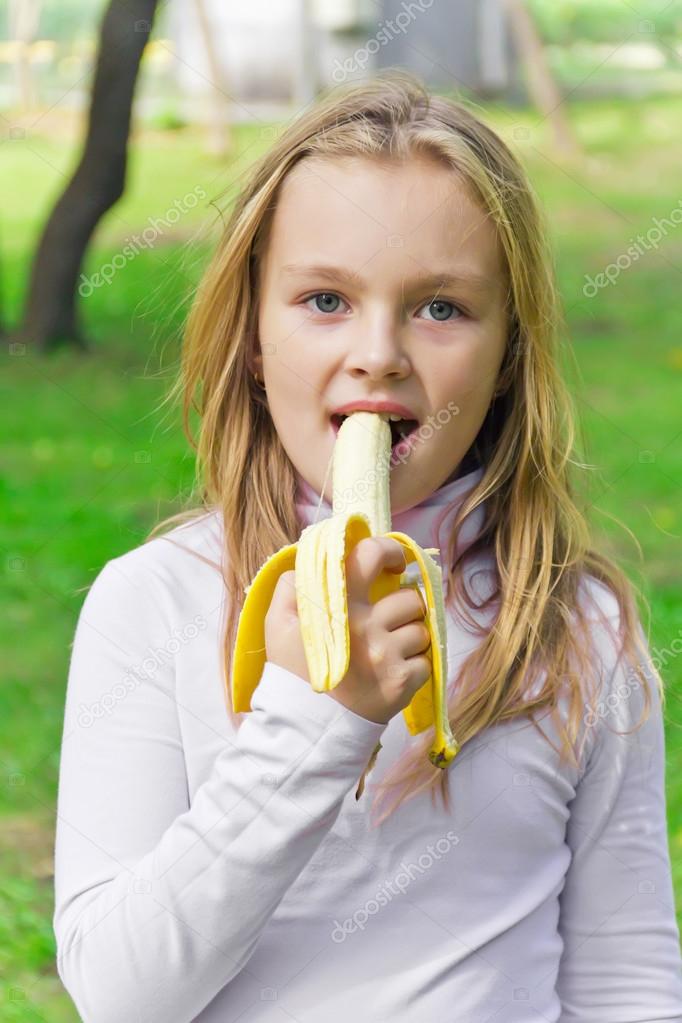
50	316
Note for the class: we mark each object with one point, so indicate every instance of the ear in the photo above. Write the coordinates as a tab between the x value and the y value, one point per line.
256	364
255	359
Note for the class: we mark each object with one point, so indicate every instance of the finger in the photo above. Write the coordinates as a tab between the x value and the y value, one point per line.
410	671
283	601
367	560
399	608
412	639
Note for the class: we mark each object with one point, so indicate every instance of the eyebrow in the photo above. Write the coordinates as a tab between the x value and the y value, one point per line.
444	279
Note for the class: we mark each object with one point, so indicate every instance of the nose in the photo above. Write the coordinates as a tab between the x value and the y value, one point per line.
378	352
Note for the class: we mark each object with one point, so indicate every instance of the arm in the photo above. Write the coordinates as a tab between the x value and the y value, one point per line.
159	903
621	960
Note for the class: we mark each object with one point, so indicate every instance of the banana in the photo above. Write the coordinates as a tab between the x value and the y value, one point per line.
360	508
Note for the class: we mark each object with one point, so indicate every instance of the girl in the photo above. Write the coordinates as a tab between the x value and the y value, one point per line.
386	253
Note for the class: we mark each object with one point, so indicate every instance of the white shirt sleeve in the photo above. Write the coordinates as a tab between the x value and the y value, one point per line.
158	902
621	959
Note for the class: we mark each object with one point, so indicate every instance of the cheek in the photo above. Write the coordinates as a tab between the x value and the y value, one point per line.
473	369
282	318
277	330
284	357
460	382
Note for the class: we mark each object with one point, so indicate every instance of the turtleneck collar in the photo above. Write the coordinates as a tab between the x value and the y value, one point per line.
428	523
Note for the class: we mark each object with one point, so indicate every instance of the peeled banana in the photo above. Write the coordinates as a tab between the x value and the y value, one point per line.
360	508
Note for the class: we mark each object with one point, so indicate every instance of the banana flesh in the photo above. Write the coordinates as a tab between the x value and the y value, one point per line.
360	508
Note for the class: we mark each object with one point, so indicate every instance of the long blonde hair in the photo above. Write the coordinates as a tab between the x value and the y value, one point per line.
533	525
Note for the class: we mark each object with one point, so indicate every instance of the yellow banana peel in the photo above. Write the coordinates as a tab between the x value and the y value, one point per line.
361	508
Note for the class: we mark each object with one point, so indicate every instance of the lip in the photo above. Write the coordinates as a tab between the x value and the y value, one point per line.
364	405
400	448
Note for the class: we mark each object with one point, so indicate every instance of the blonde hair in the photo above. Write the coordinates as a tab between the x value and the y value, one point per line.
533	526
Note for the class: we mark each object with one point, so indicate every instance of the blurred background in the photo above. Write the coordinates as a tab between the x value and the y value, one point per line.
124	131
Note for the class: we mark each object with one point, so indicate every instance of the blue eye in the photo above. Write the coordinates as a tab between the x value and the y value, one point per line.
324	295
440	306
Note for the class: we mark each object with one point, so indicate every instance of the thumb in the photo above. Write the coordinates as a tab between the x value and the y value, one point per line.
284	595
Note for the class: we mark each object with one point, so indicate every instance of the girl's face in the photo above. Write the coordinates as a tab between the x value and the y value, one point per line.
409	309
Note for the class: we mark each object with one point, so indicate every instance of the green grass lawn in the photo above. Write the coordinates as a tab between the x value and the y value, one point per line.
89	465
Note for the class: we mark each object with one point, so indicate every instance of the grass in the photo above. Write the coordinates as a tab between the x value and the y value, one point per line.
89	465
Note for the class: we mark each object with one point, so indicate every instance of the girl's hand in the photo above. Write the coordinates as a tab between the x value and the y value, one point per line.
388	639
283	640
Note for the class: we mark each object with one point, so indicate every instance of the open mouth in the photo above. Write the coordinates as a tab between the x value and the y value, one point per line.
401	429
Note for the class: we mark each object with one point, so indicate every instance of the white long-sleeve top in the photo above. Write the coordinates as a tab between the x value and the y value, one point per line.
219	875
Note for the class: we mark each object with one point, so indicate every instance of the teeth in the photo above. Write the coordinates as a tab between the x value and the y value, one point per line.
394	417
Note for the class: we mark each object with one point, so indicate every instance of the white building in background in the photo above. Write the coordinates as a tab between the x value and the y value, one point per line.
272	53
276	54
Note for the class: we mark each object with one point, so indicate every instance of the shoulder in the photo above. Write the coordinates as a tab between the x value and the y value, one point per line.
171	569
603	618
598	600
625	689
611	634
198	540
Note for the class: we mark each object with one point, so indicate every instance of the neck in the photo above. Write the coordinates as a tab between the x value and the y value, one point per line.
429	522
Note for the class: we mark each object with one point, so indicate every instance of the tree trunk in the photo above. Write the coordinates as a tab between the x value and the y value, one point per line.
542	87
50	312
219	133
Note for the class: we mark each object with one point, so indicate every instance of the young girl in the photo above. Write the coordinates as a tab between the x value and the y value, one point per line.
386	253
